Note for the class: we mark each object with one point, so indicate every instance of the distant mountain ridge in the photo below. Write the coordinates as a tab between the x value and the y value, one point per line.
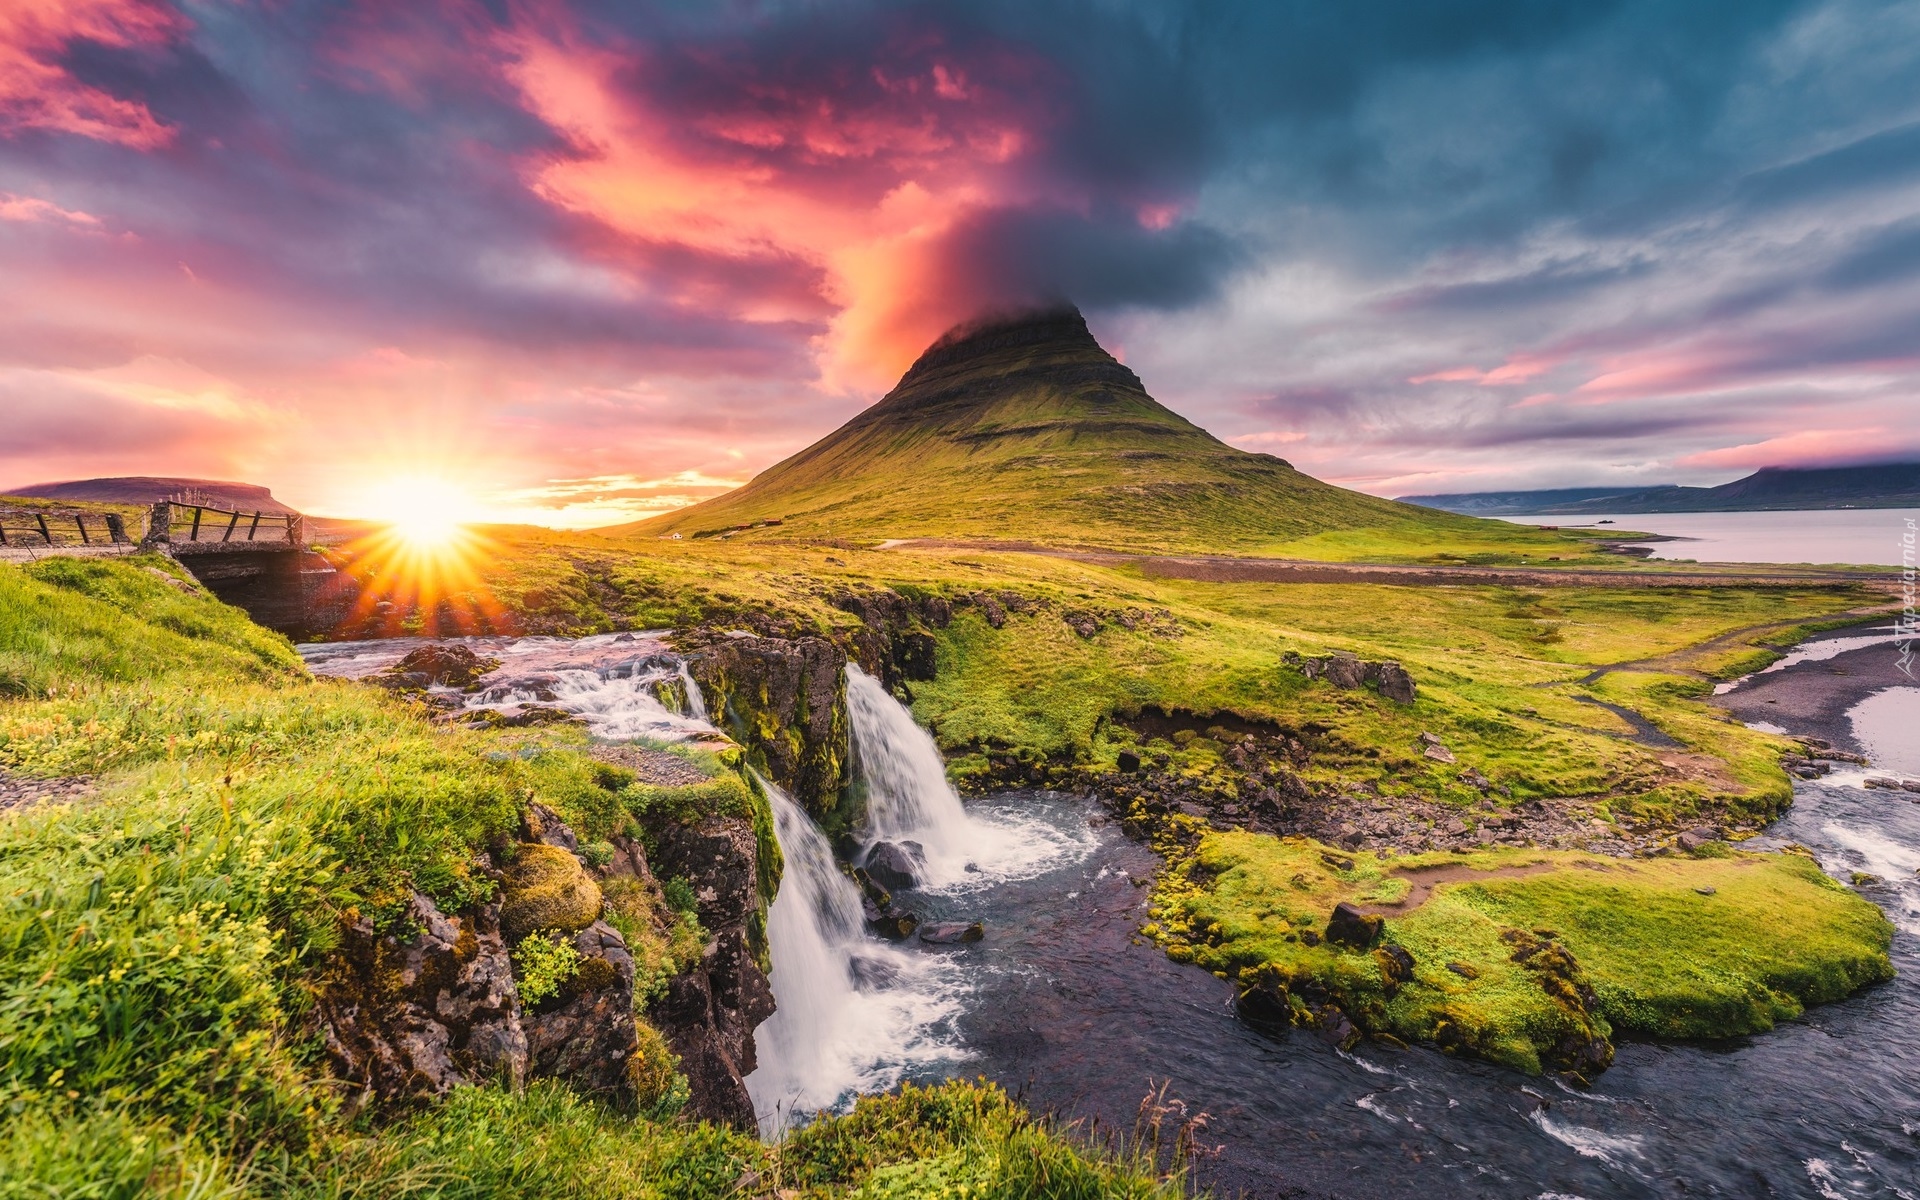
145	489
1884	485
1022	427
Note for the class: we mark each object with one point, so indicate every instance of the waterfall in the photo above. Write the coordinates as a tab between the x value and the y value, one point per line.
696	703
908	796
852	1014
910	800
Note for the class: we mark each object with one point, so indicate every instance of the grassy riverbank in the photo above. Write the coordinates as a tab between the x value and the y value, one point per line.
162	936
1527	958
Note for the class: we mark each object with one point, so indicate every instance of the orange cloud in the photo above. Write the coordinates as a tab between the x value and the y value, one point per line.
858	184
37	93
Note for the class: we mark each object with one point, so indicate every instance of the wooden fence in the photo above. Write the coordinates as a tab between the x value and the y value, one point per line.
176	523
28	527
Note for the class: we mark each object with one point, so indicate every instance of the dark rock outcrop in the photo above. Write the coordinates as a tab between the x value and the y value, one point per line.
586	1035
1344	669
709	1012
783	699
437	666
1350	927
416	1017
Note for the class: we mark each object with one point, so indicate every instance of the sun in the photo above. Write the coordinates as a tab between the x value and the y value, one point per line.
424	513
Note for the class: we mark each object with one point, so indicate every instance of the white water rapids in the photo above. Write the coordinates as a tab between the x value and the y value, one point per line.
856	1014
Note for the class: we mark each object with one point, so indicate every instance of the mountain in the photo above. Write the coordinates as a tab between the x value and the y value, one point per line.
1023	428
1886	485
145	489
1501	504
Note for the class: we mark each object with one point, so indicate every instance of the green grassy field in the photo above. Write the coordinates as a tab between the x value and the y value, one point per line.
160	937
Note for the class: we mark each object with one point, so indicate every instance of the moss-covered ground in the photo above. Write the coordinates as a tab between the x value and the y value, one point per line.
158	936
1511	953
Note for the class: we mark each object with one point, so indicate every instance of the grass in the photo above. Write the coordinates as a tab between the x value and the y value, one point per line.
1707	947
158	937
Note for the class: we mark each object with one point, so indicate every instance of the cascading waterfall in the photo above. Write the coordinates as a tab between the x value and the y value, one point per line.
696	703
910	800
908	796
851	1014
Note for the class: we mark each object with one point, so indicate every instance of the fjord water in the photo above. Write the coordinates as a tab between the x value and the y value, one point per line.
1855	536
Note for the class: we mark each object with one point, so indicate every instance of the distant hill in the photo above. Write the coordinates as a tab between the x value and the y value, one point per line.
1887	485
145	489
1499	504
1024	428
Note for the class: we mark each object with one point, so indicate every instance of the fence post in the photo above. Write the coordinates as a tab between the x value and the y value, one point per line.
159	525
44	531
296	529
117	529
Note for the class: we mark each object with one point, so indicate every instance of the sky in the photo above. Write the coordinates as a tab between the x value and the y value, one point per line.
574	261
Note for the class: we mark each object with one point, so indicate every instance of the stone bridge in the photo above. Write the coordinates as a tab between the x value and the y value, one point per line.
260	561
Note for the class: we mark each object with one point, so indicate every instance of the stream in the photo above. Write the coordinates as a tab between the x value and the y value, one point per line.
1065	1006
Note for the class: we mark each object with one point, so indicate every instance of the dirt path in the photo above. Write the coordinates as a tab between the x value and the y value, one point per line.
1425	879
1209	568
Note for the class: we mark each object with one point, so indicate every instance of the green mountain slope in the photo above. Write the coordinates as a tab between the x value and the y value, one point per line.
1025	429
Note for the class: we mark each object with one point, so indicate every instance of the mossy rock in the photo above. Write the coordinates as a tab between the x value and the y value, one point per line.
547	888
652	1066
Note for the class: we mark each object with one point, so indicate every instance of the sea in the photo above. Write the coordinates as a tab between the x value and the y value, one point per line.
1867	537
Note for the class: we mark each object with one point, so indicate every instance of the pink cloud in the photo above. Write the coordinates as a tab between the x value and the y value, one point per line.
30	208
37	93
1517	369
1805	447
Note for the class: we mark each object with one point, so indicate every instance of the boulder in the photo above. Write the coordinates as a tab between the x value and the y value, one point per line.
1350	927
1127	761
951	933
448	665
1391	679
891	865
420	1016
586	1034
545	887
895	925
1438	753
1693	839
